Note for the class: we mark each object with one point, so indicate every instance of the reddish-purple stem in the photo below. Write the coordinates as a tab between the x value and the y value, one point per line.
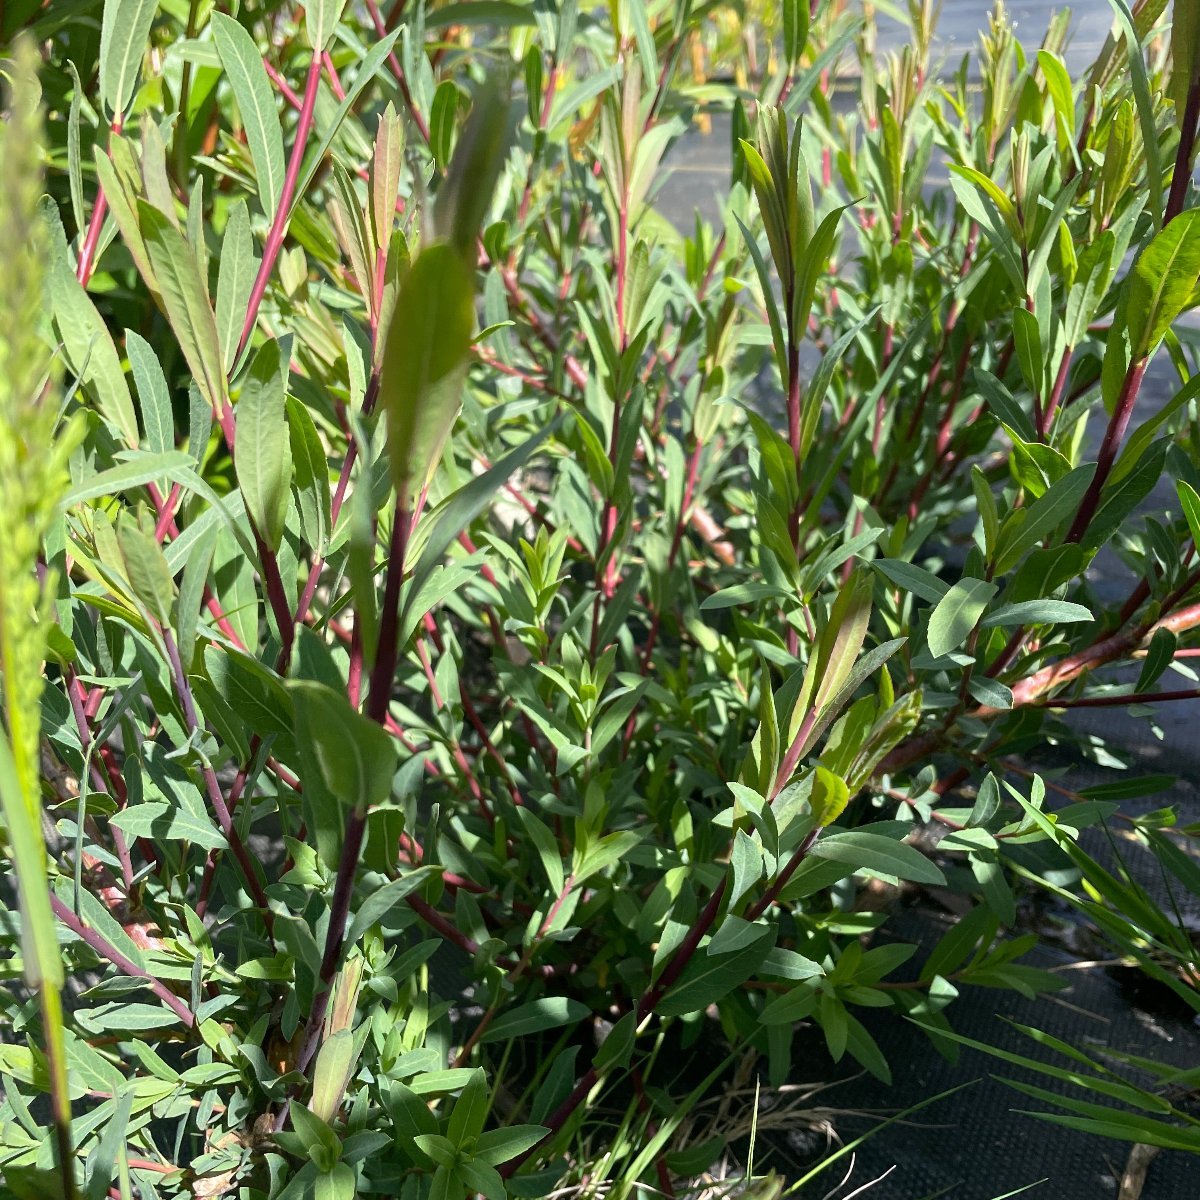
1187	148
1108	449
278	230
184	691
107	950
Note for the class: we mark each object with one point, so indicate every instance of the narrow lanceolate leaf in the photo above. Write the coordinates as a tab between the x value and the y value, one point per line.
311	476
90	352
121	203
1185	54
158	819
154	398
256	105
145	567
1191	509
1023	529
1037	612
883	855
957	613
463	199
841	641
320	20
425	362
710	978
185	299
1163	282
535	1017
235	280
263	457
385	174
796	14
124	33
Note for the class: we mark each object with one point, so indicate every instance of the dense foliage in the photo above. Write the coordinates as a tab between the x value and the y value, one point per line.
492	639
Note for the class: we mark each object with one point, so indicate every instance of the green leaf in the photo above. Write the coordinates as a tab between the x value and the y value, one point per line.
841	639
357	759
864	1049
989	873
829	797
191	592
1037	612
381	902
145	567
743	593
102	1165
335	1065
480	1179
235	280
497	1146
263	454
243	63
883	855
1023	529
154	397
549	853
1141	438
124	34
1058	84
1185	55
796	15
764	276
1190	503
990	692
708	979
443	114
1159	655
320	20
746	863
912	579
466	195
1163	282
185	299
311	478
550	1012
386	165
425	363
158	819
957	613
1028	340
89	350
469	1111
41	959
1145	107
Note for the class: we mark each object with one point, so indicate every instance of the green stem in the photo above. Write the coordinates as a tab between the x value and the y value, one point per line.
60	1096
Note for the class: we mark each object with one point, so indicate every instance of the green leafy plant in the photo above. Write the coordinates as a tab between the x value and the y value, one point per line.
460	695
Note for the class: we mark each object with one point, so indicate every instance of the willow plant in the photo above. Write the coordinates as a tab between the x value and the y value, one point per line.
494	637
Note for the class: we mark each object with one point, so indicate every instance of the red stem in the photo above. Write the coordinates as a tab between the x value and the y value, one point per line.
1187	147
1108	449
279	225
105	949
381	30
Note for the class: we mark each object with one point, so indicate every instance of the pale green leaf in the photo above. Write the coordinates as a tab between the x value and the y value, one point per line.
263	456
957	613
124	34
255	98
